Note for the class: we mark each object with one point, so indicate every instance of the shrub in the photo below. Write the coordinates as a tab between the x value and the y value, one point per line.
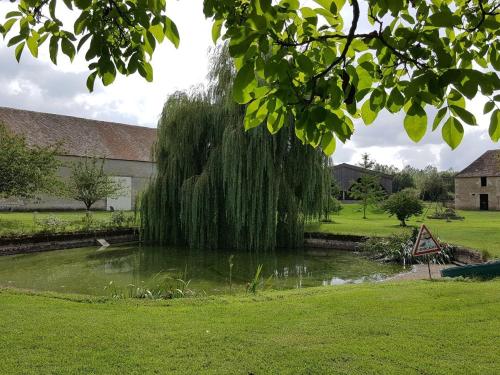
51	224
448	214
403	205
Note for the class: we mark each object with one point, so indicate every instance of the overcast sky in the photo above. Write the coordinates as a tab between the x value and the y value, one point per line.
40	86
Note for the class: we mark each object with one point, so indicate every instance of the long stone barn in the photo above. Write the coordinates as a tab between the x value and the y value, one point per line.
477	187
127	151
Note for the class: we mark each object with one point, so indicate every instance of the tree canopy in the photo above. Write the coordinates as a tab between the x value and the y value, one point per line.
218	186
26	171
311	63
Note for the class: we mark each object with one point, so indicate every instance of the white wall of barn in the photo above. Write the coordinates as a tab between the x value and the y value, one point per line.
136	174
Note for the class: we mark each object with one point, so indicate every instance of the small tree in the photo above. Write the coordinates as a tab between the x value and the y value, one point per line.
89	184
26	171
403	205
368	190
366	161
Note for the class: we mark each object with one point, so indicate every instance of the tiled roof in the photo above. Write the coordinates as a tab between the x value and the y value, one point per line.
362	170
487	165
81	137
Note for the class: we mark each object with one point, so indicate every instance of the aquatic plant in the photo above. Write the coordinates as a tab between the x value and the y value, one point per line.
219	186
161	286
399	246
254	283
231	264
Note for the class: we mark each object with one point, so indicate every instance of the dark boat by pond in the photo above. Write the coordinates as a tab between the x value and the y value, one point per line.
485	270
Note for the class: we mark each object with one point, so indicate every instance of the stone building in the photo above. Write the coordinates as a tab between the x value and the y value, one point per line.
346	175
126	149
477	187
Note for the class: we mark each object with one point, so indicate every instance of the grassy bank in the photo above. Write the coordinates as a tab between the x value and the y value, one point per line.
480	229
16	223
387	328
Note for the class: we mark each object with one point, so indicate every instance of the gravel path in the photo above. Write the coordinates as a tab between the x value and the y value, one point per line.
420	272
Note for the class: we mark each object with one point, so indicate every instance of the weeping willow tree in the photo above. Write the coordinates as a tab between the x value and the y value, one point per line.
218	186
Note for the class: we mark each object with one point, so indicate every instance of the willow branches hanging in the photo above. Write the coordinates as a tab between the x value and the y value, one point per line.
218	186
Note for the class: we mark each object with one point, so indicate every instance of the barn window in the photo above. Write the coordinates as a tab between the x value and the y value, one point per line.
484	181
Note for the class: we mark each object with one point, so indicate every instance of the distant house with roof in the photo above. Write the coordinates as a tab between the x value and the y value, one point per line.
127	151
346	175
477	187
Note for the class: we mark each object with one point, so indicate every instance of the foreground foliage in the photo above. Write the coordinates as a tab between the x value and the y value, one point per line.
358	329
218	186
314	63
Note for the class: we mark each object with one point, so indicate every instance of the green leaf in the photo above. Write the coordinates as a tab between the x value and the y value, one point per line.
8	25
488	107
328	143
32	43
81	23
157	31
108	72
275	121
377	99
68	48
367	114
171	32
15	40
19	51
395	101
216	30
415	122
262	6
91	81
243	83
13	14
444	18
83	4
495	125
465	115
439	117
255	114
53	48
146	70
453	132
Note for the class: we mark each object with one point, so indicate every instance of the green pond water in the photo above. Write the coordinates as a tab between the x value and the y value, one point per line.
90	271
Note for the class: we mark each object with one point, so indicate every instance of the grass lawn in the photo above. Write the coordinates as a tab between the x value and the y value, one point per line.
25	222
443	327
480	229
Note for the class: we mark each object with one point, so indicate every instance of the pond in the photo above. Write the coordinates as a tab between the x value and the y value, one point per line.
121	269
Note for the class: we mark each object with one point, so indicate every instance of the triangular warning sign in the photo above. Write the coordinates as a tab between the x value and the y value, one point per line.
425	244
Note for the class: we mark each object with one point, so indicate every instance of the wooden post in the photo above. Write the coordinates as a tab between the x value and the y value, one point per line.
429	266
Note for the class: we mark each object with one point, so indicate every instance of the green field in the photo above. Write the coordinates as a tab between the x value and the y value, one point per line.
424	327
12	223
480	229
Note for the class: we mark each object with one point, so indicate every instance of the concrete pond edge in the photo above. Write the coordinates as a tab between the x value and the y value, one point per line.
57	241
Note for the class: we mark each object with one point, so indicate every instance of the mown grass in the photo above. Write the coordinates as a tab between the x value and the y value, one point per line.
16	223
479	230
386	328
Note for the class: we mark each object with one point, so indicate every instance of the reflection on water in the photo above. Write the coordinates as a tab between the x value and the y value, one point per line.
89	270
